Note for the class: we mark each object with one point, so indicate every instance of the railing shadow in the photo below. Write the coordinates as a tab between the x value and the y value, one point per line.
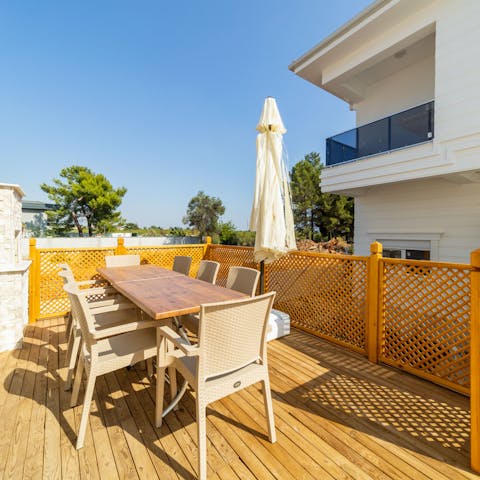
390	405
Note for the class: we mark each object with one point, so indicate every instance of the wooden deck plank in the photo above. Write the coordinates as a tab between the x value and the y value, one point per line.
12	403
168	442
52	462
70	462
141	459
337	416
397	439
33	465
130	384
121	452
18	444
287	452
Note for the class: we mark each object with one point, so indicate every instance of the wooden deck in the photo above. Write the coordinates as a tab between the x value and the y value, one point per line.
337	416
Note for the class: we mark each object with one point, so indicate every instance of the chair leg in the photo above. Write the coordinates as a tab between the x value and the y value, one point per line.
267	398
86	410
159	396
172	376
202	439
73	358
160	388
149	368
68	324
77	382
70	338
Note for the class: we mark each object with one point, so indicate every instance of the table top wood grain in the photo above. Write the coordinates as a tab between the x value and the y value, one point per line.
162	293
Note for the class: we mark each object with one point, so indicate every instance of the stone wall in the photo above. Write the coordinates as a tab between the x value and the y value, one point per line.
13	270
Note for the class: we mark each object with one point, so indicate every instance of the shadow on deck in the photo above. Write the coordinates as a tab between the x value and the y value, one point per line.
337	416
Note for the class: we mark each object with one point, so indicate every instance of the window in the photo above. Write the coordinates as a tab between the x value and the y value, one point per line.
407	253
409	246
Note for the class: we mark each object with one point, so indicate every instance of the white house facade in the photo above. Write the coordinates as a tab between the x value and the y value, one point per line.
410	71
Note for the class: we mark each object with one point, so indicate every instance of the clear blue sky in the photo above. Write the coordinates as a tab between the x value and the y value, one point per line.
161	97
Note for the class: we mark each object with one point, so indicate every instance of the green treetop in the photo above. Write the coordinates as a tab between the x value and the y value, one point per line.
84	199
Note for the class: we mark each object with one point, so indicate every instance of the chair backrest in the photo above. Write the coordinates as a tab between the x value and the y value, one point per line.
67	276
82	315
208	271
232	334
243	280
122	260
181	264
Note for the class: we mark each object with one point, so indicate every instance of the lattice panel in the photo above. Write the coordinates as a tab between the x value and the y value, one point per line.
163	255
325	294
230	256
425	320
83	262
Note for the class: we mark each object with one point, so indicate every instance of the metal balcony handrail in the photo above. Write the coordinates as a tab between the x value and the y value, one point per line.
380	137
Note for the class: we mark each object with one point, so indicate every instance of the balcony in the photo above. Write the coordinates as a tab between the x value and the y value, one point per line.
404	129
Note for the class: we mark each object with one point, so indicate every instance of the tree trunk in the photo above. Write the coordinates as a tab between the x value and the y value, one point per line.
77	224
90	229
312	224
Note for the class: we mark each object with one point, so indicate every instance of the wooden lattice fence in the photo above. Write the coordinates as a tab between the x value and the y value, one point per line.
409	314
424	320
324	294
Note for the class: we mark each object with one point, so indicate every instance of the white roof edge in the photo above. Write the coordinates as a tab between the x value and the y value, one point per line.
13	186
357	19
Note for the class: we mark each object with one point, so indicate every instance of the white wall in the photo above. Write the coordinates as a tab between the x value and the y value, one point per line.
99	242
412	86
420	209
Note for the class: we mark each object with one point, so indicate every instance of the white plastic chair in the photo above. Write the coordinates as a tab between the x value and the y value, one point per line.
181	264
231	354
104	350
241	279
123	311
208	271
122	260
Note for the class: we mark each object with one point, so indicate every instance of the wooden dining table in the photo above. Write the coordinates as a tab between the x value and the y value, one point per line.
164	294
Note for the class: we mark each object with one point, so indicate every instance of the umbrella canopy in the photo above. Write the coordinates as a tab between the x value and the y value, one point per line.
271	217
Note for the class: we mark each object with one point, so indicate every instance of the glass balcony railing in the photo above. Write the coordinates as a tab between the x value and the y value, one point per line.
403	129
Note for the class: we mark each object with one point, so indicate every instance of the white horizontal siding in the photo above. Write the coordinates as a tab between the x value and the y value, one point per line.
426	206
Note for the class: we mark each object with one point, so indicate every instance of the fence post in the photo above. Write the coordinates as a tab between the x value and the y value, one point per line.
475	361
208	242
33	282
121	250
373	295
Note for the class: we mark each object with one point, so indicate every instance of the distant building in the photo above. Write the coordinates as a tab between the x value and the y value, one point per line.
34	218
410	71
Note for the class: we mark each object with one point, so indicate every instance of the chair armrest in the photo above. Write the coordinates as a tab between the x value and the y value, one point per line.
118	329
114	307
178	341
98	291
84	283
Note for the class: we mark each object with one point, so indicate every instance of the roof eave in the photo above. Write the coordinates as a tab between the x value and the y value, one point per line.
297	65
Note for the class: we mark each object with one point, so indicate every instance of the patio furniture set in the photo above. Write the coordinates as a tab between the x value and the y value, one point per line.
143	312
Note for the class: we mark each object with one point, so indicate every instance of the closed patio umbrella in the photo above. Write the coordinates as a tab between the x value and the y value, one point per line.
271	217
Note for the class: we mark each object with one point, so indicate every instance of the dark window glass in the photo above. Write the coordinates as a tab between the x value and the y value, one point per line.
373	138
417	254
411	127
392	253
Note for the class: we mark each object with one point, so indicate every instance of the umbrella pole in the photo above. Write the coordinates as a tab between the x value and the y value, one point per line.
262	277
